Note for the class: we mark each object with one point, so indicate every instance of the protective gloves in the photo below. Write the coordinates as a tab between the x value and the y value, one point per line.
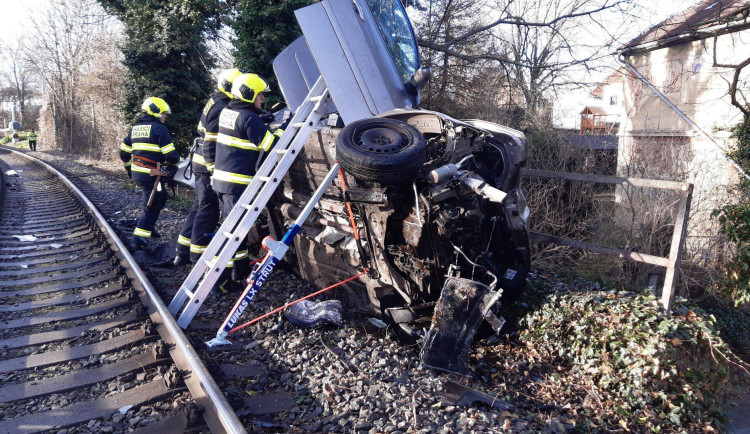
267	117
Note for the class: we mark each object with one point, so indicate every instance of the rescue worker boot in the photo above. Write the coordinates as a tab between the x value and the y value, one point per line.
225	284
241	271
141	243
181	259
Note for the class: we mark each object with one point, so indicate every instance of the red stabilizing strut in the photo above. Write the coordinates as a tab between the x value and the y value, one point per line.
279	309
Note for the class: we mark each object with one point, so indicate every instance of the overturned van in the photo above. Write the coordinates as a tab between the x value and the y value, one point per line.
440	222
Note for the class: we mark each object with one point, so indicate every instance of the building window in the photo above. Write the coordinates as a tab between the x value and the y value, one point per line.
613	100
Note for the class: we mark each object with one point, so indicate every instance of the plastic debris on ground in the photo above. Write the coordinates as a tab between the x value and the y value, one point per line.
11	173
377	323
55	245
307	313
25	238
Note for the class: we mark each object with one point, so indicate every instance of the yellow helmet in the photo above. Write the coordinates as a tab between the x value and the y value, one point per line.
226	78
247	86
155	106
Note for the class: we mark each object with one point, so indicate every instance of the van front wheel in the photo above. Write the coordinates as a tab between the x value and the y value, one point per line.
386	151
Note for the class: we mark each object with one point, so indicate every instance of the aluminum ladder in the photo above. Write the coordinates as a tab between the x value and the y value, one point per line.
240	220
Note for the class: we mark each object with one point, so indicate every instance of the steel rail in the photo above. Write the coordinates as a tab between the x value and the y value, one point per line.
219	414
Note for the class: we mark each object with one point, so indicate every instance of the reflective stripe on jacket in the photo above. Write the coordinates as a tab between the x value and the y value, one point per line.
148	138
242	141
208	128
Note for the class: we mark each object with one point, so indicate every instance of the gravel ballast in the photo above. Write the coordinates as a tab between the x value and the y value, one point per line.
356	378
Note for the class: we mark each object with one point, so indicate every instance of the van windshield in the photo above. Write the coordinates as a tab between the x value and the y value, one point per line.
399	37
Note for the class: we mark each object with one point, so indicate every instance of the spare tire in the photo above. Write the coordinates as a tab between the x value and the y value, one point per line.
381	150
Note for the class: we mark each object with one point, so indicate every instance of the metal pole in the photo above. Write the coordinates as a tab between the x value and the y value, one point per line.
681	114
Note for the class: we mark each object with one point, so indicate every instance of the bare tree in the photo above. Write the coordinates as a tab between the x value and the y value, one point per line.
537	44
19	77
454	76
64	48
738	98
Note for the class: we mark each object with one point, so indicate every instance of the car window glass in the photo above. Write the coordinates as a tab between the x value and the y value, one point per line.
394	25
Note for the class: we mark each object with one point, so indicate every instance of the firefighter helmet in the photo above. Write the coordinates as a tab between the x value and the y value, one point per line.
225	80
155	106
247	86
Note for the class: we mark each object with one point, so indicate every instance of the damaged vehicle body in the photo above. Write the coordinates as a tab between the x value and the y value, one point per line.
431	205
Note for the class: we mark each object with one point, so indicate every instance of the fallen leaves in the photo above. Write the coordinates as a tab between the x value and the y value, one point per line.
506	424
639	361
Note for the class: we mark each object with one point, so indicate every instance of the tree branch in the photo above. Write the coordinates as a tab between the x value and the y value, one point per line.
520	21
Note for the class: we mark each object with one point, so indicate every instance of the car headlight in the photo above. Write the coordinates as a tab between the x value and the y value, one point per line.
523	207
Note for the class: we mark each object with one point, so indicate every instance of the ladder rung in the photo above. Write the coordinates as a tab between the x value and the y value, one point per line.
208	263
227	234
299	125
189	294
316	98
264	178
282	151
247	207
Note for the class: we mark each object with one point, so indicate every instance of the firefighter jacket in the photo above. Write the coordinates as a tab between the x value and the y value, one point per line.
150	140
242	141
32	137
204	157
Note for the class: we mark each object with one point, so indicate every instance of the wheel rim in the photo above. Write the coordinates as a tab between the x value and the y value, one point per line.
380	140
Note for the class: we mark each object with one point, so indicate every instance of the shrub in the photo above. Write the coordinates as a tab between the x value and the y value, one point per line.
734	220
645	368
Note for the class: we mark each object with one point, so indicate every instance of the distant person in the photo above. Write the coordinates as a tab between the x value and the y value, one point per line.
32	140
204	215
150	146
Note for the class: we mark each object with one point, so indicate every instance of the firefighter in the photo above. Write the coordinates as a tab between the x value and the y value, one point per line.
204	215
242	141
32	140
149	148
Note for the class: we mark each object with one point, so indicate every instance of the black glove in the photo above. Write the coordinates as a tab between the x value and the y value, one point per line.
171	170
267	117
286	122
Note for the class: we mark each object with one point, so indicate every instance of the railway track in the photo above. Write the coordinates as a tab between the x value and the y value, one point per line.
86	344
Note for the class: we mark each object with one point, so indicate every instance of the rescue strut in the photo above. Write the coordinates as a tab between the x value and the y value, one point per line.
240	220
276	251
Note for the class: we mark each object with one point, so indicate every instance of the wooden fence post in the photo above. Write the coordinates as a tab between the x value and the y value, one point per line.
675	249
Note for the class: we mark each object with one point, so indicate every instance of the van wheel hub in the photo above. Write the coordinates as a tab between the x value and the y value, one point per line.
380	141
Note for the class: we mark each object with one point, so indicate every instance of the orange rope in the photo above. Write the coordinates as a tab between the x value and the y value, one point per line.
348	205
279	309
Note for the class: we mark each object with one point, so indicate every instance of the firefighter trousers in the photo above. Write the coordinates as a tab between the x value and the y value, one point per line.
201	220
149	214
241	260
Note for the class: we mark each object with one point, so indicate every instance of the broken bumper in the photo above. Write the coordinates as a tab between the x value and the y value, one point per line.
459	312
